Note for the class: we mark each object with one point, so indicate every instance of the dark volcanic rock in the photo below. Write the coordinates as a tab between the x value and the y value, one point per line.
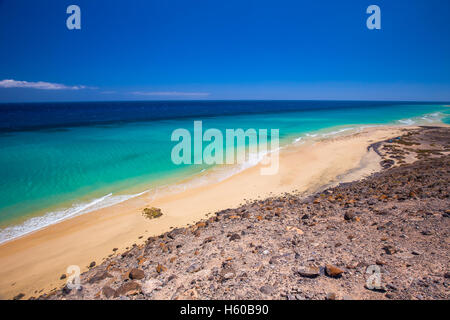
108	292
349	215
235	236
128	288
19	296
99	276
136	274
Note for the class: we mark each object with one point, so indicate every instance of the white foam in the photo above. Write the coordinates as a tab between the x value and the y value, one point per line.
332	133
408	122
435	117
36	223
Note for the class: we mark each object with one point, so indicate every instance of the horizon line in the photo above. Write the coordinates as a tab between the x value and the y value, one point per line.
225	100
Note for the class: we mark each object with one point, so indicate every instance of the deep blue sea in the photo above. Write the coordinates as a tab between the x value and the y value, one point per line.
58	160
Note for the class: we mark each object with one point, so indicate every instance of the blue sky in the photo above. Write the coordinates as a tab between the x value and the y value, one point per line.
208	49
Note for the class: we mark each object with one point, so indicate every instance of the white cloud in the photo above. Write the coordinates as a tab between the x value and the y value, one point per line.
171	94
9	83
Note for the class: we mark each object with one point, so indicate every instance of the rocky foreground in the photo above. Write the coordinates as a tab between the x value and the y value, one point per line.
384	237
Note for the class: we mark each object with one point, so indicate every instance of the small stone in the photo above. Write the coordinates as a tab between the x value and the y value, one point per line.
309	272
333	271
391	287
349	216
266	289
136	274
63	276
380	262
273	260
128	288
171	277
235	236
194	268
66	290
390	249
209	239
331	296
201	224
108	292
289	228
160	268
92	264
19	296
99	276
228	275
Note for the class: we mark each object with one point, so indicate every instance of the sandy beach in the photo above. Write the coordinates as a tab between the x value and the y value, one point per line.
34	263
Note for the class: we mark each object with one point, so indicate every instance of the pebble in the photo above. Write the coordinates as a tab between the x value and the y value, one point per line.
108	292
349	216
129	287
330	296
136	274
194	268
333	271
309	272
266	289
390	249
234	237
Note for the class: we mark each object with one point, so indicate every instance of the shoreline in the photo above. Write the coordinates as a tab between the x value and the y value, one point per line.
43	218
33	263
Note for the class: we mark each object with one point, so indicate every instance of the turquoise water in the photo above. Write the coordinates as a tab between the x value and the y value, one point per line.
54	172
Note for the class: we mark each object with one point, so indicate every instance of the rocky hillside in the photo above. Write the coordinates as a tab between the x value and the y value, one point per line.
384	237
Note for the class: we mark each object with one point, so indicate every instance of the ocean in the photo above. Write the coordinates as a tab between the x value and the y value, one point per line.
59	160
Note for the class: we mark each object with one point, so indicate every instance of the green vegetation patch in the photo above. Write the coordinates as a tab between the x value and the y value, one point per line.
152	213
